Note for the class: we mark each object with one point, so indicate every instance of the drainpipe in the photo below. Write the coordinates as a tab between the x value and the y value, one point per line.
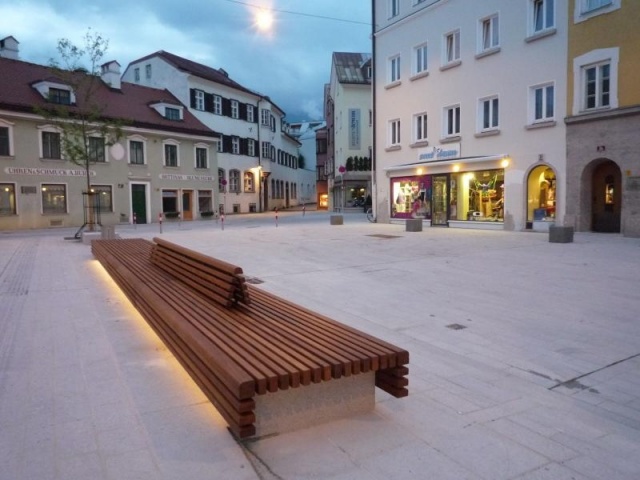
374	185
260	206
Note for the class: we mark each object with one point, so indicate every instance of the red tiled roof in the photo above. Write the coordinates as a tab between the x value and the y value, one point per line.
131	103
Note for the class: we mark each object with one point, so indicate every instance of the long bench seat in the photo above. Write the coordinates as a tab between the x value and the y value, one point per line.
242	344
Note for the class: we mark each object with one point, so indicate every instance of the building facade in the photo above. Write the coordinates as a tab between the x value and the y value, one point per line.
469	112
348	116
164	161
307	134
603	104
257	157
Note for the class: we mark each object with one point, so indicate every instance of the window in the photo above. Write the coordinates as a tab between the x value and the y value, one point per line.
394	133
597	86
58	95
169	201
235	109
54	198
266	150
251	147
136	75
452	121
542	103
420	59
234	181
204	201
222	182
201	158
7	199
249	182
104	198
394	69
147	71
489	33
217	104
489	113
5	144
543	15
235	145
420	127
96	149
199	100
172	113
51	145
589	5
170	155
219	145
394	8
265	117
250	114
452	47
136	152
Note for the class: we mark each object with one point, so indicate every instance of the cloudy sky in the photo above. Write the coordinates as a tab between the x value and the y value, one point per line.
291	63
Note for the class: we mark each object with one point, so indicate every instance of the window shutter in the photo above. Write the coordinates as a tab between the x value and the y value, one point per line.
226	107
226	144
242	111
192	93
208	102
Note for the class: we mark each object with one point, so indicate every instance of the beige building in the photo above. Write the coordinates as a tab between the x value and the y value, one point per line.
603	121
163	163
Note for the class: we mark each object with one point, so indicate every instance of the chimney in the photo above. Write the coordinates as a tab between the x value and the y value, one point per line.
111	74
9	48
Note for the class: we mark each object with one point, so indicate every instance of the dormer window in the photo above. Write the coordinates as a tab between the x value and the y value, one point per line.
169	111
56	92
172	113
57	95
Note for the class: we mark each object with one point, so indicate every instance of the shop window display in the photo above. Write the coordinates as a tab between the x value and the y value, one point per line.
411	197
541	195
477	196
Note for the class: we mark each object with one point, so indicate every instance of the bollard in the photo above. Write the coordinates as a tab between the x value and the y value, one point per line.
160	221
222	221
135	221
304	208
276	217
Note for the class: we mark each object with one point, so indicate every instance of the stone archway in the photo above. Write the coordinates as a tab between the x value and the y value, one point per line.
605	187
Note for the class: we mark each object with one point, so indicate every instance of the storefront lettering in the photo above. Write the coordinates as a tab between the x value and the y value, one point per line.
174	176
439	153
51	172
354	128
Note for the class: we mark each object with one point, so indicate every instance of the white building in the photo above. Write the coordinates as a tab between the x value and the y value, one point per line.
469	111
257	158
348	114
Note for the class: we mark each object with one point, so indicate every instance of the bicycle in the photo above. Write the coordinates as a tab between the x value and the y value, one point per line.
370	216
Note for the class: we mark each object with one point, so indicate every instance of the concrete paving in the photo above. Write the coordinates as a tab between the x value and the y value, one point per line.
525	356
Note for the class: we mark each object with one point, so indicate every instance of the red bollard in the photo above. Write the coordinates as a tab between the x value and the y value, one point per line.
135	221
276	217
160	221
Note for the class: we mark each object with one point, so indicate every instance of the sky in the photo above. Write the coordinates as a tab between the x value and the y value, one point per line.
290	62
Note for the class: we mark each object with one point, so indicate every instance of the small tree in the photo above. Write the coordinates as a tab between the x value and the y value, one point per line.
300	161
85	118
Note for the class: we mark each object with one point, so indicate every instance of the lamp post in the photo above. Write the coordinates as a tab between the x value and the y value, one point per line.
224	195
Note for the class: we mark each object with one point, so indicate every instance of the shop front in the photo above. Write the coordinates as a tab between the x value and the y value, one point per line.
449	190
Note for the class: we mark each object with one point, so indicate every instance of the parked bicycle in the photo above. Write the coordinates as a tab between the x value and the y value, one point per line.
370	215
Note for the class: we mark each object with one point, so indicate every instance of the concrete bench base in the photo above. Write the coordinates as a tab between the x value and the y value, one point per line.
298	408
414	225
337	220
560	234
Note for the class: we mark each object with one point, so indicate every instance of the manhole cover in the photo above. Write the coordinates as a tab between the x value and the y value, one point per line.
456	326
382	235
253	280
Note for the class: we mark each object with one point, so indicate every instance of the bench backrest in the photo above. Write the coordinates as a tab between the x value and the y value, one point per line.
218	280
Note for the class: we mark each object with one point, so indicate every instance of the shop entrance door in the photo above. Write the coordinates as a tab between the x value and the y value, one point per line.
439	200
139	202
187	205
606	198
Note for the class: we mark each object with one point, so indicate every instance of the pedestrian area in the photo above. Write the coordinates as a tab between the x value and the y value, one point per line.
525	357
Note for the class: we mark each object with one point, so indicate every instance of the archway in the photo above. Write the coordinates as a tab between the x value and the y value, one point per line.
606	197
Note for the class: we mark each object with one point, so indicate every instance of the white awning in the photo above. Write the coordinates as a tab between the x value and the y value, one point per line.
448	161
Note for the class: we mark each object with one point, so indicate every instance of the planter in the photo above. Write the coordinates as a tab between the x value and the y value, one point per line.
171	215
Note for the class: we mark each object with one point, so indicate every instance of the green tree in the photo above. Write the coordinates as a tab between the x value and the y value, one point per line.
85	118
301	161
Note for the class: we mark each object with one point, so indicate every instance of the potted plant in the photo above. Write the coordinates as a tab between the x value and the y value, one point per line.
171	215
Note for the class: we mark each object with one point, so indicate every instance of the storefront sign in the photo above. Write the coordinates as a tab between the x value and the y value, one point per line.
354	129
49	172
174	176
442	152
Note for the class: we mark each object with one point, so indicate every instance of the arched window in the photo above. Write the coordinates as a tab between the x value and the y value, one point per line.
249	182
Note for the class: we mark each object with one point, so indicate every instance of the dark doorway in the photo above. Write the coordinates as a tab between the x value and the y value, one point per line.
606	196
139	202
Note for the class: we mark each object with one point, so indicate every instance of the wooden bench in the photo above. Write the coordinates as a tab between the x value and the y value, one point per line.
249	350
